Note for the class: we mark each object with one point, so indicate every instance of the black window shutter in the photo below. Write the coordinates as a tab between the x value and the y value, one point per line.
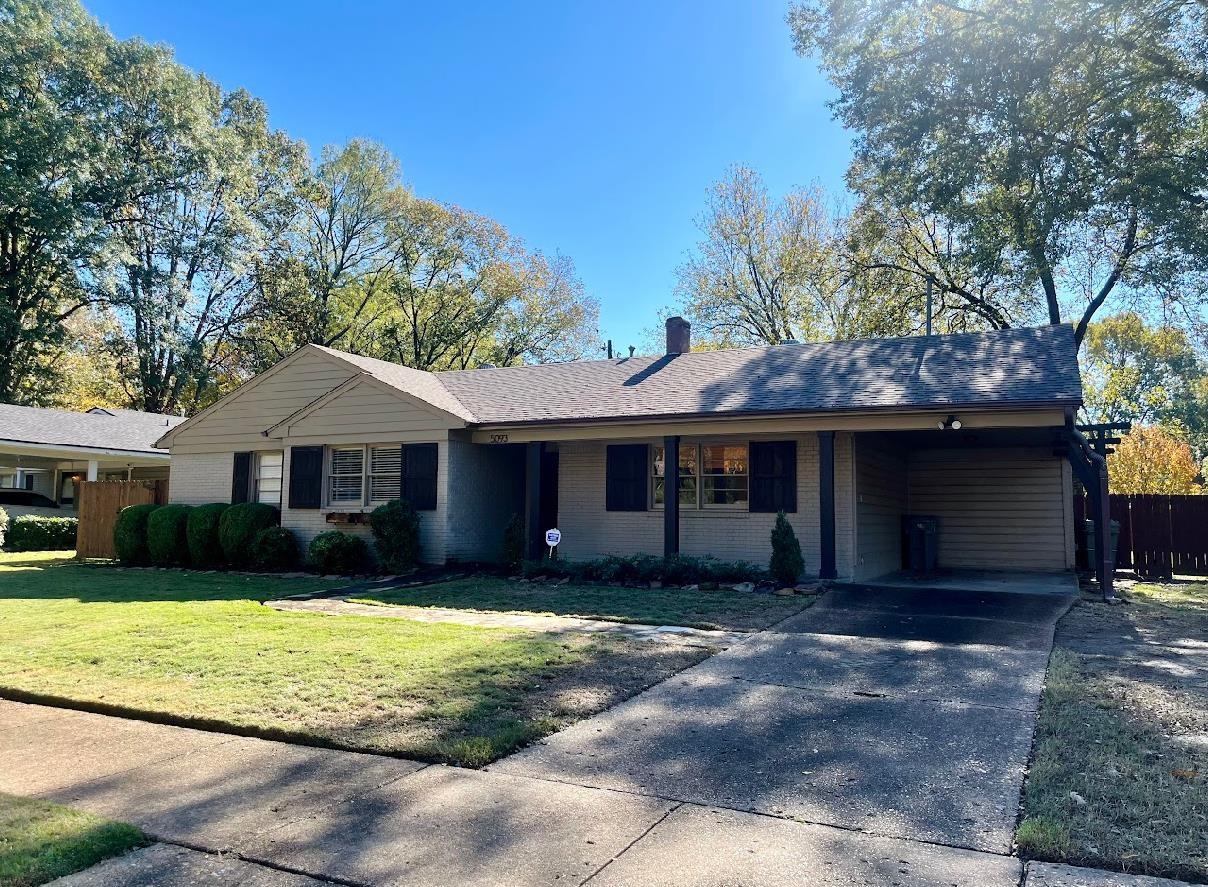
774	476
305	477
625	477
241	478
419	475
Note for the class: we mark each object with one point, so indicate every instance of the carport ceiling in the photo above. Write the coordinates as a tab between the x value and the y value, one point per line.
992	437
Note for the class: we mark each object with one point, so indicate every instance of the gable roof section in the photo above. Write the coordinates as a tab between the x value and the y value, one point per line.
362	378
103	429
423	385
1035	367
1004	368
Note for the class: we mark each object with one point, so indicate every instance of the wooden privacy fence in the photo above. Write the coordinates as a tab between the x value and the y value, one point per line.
1159	535
99	503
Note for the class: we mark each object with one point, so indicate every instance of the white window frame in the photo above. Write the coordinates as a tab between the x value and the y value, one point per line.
699	504
257	465
366	497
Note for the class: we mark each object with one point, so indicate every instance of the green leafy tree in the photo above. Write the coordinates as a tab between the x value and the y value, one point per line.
72	100
1064	143
1143	374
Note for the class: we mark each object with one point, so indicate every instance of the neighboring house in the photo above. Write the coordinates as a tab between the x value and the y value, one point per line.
48	452
845	437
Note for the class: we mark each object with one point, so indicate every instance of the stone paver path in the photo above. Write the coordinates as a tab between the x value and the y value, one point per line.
676	634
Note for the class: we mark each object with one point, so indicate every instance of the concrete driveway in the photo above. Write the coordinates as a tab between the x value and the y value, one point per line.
903	713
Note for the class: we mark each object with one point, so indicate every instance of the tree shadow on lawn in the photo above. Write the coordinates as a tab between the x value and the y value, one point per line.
41	578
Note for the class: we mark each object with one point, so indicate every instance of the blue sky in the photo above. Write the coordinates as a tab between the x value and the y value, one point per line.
590	129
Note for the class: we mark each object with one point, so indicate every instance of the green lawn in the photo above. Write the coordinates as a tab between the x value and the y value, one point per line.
1119	777
199	648
724	608
40	841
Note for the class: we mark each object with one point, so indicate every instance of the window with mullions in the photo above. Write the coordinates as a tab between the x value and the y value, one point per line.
710	475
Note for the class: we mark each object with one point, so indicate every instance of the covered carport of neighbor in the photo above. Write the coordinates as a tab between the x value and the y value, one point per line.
1003	500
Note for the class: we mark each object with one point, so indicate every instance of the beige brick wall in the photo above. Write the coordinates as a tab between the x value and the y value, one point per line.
200	478
486	487
590	531
433	525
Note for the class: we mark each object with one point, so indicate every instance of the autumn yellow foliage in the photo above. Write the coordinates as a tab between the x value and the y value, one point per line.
1149	460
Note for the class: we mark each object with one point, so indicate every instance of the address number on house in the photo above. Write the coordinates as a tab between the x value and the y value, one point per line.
499	438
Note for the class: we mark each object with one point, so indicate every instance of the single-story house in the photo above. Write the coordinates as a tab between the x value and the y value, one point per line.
847	438
48	452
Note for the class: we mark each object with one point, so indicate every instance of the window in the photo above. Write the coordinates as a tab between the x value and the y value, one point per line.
346	476
369	475
268	478
710	475
385	473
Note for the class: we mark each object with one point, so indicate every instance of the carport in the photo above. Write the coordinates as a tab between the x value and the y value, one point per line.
1001	497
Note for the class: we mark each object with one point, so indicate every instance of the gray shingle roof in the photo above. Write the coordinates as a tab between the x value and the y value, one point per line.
127	430
991	369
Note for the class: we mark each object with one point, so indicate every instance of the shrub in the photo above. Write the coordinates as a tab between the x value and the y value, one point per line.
786	564
338	552
3	524
239	525
201	531
130	534
513	552
33	532
679	569
167	536
395	527
274	550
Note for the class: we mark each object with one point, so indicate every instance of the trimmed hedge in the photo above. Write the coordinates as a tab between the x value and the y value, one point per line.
35	532
130	534
680	569
338	552
201	531
238	526
395	527
167	535
274	550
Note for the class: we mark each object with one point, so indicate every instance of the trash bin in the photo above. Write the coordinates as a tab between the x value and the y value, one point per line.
1092	547
922	543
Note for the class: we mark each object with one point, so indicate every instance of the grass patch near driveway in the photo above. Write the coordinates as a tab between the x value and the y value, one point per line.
199	648
41	841
721	609
1119	777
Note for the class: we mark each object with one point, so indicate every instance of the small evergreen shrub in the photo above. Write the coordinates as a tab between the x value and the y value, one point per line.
395	528
513	552
201	531
338	552
3	525
130	534
787	564
167	536
239	525
35	532
274	550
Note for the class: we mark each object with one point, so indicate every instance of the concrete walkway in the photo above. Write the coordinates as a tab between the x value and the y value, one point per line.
896	727
676	634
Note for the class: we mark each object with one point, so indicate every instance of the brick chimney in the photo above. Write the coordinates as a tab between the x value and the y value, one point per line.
679	336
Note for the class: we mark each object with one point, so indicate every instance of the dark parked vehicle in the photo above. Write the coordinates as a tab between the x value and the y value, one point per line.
26	497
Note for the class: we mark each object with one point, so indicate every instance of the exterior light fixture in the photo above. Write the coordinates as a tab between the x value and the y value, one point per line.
950	424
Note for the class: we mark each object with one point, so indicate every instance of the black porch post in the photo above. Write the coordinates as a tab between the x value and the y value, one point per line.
826	505
671	495
533	531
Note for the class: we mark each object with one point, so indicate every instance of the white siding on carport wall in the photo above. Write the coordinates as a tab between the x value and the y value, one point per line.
999	508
